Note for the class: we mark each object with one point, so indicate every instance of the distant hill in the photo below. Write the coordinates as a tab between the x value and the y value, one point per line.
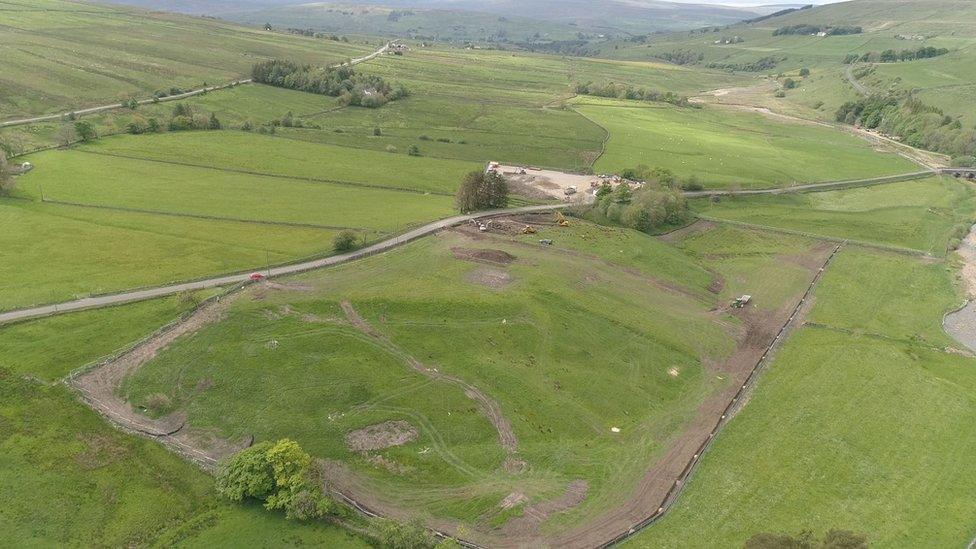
609	16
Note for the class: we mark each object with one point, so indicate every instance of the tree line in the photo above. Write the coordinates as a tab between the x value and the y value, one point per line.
626	91
905	116
656	205
762	64
816	29
892	56
343	82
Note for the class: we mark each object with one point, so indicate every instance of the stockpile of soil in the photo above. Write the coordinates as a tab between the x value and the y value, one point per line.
480	255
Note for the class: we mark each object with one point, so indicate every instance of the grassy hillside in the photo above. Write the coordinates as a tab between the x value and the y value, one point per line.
944	82
790	464
533	335
723	147
923	215
70	479
60	55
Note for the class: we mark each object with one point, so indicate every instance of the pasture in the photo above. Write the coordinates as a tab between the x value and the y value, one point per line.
60	55
724	147
922	215
789	463
533	334
69	478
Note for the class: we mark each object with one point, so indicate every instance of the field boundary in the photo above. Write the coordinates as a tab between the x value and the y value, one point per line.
815	236
203	216
822	186
678	487
268	174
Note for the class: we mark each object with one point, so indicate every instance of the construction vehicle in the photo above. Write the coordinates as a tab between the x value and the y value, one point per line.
561	220
528	229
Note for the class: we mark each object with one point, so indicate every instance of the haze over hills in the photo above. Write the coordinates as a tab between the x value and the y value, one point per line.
627	16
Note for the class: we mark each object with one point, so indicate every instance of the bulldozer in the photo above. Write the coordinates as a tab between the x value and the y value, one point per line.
528	229
561	220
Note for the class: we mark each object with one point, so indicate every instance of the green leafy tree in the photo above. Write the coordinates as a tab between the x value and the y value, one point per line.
152	126
85	131
213	123
481	191
377	132
413	150
247	475
622	194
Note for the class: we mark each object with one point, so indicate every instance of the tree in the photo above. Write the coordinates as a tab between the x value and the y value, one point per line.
280	474
213	123
480	191
411	535
789	83
67	135
377	132
804	72
344	241
413	150
152	126
85	131
622	194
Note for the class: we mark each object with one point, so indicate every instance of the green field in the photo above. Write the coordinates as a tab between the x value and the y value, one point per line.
70	479
921	215
723	147
857	424
60	55
553	377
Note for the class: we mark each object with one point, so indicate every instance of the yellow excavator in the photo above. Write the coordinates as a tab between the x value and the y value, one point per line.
561	220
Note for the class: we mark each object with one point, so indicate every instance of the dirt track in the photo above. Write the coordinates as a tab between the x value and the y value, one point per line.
99	388
488	407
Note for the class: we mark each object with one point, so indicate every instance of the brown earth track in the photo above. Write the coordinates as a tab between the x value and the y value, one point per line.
488	407
99	389
662	481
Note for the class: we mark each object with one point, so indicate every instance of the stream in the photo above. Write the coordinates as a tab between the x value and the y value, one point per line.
961	324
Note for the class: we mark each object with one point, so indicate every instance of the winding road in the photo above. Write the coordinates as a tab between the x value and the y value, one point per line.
191	93
149	293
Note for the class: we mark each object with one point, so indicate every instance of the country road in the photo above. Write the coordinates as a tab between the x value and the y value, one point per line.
149	293
861	88
191	93
430	228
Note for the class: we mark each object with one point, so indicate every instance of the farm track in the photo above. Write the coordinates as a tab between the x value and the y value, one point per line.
108	300
488	407
185	95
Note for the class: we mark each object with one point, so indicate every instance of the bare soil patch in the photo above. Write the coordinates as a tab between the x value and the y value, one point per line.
488	277
481	255
535	514
381	436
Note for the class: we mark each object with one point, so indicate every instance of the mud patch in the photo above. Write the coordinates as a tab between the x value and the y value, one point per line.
381	436
537	513
480	255
495	279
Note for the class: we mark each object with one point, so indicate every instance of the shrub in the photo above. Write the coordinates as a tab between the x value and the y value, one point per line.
443	140
158	403
344	241
413	150
424	137
377	132
804	72
481	190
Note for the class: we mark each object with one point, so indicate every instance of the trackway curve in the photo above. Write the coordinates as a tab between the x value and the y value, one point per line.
226	280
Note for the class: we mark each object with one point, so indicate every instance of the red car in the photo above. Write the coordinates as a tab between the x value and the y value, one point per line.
257	277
